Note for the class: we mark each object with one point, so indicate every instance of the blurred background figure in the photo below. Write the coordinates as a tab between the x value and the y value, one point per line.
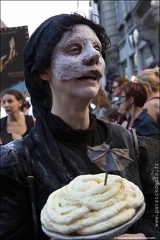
109	82
123	114
100	104
28	110
117	90
134	95
151	78
111	115
118	83
16	124
26	107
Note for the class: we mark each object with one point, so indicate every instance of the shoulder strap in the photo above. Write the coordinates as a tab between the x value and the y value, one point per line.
30	181
3	124
29	122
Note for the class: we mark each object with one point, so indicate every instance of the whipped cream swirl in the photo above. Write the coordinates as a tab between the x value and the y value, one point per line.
87	206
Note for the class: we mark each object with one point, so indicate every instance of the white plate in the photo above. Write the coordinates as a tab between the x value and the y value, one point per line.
104	235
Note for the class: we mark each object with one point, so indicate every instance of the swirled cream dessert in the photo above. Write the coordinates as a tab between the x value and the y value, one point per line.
87	206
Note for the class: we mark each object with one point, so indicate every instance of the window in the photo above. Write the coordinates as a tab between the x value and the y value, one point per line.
124	69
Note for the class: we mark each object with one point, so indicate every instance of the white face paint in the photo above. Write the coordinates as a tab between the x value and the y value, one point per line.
78	55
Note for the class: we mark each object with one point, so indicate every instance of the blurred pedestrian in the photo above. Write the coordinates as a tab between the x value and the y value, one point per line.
117	88
15	125
111	115
109	82
26	107
134	96
116	102
150	77
101	102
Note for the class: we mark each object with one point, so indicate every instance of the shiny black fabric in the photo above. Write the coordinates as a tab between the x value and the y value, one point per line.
55	167
28	120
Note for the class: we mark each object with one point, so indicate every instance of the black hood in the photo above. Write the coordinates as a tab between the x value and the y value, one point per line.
35	53
38	51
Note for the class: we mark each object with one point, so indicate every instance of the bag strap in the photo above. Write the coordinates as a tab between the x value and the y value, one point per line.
30	181
135	141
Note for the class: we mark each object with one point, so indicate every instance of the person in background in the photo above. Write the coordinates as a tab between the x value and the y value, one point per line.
151	78
64	61
117	89
101	102
29	110
123	114
134	95
109	82
26	107
15	125
116	101
111	115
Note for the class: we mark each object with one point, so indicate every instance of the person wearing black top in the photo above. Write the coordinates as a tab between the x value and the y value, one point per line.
16	124
64	61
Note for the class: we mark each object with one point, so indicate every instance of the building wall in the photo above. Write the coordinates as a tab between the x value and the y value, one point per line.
108	20
133	28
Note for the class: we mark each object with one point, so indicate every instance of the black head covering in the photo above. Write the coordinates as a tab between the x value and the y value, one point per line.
37	58
38	51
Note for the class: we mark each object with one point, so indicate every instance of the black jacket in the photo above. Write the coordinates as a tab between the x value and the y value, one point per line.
54	165
7	137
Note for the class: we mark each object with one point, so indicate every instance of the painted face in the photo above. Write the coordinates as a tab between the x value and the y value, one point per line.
10	103
78	55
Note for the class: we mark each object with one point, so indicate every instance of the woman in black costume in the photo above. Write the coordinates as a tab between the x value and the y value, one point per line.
64	64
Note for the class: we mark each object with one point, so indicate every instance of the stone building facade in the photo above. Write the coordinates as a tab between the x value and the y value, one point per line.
133	28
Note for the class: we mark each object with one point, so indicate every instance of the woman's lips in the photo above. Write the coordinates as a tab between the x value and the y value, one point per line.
91	75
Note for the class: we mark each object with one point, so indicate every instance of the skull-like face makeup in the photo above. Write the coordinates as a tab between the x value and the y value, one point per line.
78	55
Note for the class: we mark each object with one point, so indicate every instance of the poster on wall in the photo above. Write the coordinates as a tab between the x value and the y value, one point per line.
13	41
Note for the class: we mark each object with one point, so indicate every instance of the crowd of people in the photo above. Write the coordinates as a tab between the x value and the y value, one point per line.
64	62
135	104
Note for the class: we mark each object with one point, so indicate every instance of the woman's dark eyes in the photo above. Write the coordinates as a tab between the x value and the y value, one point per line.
9	101
76	49
98	48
